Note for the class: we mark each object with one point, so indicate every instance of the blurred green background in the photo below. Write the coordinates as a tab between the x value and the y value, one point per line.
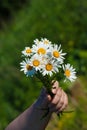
61	21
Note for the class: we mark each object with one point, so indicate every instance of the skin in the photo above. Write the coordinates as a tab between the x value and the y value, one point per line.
31	119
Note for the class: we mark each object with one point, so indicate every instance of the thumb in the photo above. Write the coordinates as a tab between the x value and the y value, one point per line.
55	87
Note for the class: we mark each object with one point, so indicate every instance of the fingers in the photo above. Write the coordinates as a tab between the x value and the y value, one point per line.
59	102
64	104
56	98
45	98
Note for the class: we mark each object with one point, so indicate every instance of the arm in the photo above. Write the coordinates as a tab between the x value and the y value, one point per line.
30	119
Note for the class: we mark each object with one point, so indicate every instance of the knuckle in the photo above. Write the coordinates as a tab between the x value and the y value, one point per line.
57	83
59	92
62	103
54	103
66	104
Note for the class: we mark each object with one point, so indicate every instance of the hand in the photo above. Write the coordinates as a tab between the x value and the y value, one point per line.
60	99
57	103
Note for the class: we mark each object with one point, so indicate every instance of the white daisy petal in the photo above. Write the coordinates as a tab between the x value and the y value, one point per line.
45	41
69	72
56	53
36	41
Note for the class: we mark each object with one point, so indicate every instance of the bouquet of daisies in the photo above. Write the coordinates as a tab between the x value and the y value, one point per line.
45	60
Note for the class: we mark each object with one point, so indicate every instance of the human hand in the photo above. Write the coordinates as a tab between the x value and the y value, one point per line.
60	100
57	103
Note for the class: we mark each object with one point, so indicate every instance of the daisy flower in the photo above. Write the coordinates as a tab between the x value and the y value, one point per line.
36	41
69	72
56	52
49	68
40	49
45	41
27	51
27	68
36	62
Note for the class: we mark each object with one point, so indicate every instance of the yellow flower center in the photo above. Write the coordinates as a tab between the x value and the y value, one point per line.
28	67
41	51
56	54
49	67
28	51
36	63
67	73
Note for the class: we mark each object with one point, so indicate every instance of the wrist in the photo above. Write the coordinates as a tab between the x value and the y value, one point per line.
39	104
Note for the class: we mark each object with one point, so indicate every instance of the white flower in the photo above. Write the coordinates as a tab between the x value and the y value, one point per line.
46	58
36	62
27	68
69	72
49	68
40	49
27	51
36	41
45	41
56	52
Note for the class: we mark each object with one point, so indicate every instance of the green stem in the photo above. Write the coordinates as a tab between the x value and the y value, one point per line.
45	80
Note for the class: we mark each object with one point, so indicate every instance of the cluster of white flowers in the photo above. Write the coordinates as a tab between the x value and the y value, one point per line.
47	58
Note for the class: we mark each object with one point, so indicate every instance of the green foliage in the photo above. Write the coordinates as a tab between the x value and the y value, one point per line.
61	22
8	7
